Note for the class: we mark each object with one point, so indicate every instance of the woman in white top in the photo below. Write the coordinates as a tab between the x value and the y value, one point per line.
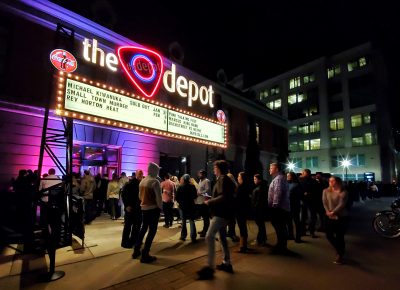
113	195
334	199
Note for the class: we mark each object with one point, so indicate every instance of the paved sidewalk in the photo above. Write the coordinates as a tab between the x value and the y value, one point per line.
373	263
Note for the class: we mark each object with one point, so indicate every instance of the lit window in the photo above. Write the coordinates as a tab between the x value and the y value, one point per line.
335	161
258	133
357	160
263	96
337	142
361	160
315	144
270	105
277	104
293	130
294	83
306	144
301	97
296	98
336	124
314	127
367	118
293	146
357	141
356	121
352	65
362	61
308	78
292	99
369	139
303	129
311	162
333	71
275	91
312	111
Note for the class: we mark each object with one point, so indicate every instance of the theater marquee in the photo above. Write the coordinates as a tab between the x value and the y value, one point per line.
80	98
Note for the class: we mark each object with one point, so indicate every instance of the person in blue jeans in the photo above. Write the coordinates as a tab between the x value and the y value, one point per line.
222	205
185	196
150	204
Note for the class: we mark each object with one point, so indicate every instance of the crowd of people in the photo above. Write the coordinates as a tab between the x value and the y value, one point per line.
296	205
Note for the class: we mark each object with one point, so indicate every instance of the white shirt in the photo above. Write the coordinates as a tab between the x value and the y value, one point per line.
47	182
204	188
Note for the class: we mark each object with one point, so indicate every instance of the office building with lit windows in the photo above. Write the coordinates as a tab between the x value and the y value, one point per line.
337	110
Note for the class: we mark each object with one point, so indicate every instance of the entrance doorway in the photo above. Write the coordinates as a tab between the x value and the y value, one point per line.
98	159
175	165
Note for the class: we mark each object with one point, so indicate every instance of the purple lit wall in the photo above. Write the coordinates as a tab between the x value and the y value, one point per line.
21	136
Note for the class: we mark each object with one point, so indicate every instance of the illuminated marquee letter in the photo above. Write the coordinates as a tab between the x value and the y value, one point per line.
170	87
95	49
181	83
210	96
203	95
193	92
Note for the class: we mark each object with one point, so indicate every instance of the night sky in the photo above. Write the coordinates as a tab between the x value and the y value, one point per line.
258	38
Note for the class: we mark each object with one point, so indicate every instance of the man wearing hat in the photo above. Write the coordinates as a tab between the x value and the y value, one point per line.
151	204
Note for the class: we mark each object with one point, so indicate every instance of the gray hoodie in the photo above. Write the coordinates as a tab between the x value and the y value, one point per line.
150	189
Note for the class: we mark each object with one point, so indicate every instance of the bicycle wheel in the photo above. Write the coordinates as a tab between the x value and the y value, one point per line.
386	224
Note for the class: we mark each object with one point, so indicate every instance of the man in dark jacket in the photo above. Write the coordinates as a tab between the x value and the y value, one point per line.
259	201
133	213
310	195
222	207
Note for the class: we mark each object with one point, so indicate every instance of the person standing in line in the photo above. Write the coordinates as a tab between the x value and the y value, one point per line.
113	195
133	214
88	186
310	189
185	196
122	181
151	204
295	195
243	207
334	199
232	223
222	207
168	193
203	193
259	202
321	184
279	204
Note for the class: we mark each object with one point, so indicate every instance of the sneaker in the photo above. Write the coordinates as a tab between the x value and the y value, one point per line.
148	259
206	273
225	267
338	260
182	239
136	254
166	226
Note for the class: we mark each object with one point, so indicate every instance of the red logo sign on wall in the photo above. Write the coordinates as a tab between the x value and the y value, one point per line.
221	116
63	60
143	66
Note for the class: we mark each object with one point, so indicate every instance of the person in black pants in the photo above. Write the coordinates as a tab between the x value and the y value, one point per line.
278	201
133	214
334	199
151	204
310	195
295	194
243	206
260	207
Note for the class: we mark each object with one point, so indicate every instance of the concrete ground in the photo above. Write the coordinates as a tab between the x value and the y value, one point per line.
372	262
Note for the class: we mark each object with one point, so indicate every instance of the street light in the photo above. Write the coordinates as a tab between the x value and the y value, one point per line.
291	166
346	163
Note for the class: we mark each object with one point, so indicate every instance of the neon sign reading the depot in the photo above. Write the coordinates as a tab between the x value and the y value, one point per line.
145	70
